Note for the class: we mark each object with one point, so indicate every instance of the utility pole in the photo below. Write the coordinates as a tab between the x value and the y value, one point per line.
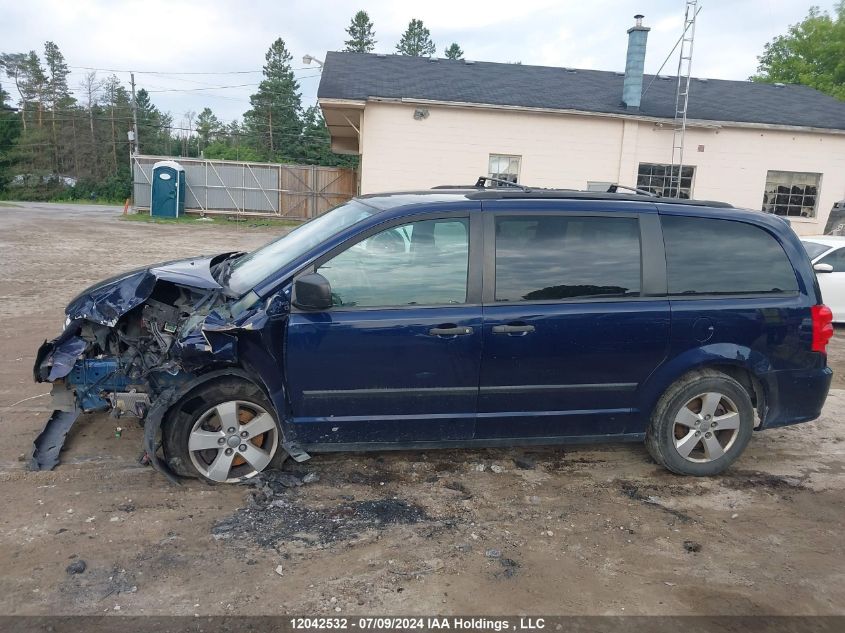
134	114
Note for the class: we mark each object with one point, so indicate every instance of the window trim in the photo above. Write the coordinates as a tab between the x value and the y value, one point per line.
652	258
474	261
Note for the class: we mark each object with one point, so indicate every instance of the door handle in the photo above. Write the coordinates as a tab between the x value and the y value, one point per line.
513	328
450	330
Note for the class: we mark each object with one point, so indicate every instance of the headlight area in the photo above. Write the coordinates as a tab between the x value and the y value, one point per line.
120	368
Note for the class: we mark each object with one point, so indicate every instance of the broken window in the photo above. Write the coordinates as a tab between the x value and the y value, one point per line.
504	167
658	179
792	193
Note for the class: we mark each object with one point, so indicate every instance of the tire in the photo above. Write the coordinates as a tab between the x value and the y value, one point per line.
197	443
701	424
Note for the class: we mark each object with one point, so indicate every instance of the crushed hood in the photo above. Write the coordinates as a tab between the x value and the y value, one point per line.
107	301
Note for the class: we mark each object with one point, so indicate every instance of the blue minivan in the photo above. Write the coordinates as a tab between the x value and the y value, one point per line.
457	317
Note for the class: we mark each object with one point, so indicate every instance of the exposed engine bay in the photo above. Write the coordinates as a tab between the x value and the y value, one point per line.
133	341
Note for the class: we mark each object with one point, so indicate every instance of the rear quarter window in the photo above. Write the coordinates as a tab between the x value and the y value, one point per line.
724	257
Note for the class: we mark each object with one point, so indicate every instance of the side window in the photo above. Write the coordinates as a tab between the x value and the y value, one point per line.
421	263
835	259
555	258
722	257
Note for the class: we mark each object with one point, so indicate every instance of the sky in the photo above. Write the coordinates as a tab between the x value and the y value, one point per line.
158	39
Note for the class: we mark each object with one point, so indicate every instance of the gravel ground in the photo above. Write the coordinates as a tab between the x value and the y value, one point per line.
588	530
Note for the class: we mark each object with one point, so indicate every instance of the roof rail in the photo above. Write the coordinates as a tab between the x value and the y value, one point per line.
643	192
482	180
455	187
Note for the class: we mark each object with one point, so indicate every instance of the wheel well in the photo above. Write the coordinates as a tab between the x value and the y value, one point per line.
750	383
192	400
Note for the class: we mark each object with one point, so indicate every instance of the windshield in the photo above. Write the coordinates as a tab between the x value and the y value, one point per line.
814	249
249	270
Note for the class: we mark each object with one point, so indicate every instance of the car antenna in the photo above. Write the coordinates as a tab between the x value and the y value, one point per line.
643	192
499	181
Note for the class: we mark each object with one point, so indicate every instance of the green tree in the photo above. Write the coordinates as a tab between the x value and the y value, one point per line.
59	102
454	52
416	41
10	129
811	53
14	65
118	112
154	126
36	86
208	127
274	122
362	38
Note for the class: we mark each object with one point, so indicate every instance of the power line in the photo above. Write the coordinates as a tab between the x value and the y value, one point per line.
168	72
175	72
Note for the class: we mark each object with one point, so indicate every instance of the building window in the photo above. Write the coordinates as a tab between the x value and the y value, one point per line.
504	167
658	180
793	193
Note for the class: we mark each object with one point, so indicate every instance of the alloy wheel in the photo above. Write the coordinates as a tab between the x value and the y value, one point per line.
706	427
233	441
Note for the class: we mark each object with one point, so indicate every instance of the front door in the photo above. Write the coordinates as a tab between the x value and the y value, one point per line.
569	334
396	359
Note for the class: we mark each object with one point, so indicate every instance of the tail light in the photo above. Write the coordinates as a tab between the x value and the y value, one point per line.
822	327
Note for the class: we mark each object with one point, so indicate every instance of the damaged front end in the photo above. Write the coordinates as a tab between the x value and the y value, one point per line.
133	341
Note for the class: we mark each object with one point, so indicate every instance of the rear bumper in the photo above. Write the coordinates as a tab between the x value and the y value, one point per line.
796	396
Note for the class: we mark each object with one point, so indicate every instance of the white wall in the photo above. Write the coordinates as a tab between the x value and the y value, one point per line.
452	146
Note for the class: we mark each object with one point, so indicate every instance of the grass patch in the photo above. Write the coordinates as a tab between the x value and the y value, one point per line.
211	220
3	203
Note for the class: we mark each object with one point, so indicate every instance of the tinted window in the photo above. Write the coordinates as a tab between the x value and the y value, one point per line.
422	263
835	259
556	257
706	256
814	249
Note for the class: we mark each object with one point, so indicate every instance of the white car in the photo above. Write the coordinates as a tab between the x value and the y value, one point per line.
827	252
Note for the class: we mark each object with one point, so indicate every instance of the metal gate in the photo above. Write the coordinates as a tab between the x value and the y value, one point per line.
298	192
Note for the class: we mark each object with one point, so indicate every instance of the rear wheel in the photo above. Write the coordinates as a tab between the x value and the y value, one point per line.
701	425
224	432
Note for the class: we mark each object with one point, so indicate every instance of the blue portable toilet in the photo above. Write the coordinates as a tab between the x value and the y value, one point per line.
167	199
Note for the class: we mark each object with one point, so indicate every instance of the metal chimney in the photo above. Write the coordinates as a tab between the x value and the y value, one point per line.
632	85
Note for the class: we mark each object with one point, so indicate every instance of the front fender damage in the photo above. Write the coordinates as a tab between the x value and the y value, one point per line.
134	348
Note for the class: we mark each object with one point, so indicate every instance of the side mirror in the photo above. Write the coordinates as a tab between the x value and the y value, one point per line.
820	268
312	292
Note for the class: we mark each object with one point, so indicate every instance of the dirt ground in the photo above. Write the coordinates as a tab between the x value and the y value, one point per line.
589	530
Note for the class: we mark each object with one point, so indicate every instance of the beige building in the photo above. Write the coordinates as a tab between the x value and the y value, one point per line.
419	123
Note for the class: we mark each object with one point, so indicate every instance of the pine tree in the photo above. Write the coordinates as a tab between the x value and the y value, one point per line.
274	122
14	65
454	52
416	41
117	104
59	100
35	85
154	127
362	38
208	127
10	129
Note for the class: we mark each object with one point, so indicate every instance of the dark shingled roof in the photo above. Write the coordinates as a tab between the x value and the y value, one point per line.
361	75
